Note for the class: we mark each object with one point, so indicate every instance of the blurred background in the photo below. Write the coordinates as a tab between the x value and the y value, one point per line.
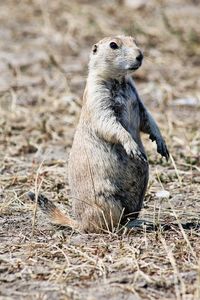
45	45
44	52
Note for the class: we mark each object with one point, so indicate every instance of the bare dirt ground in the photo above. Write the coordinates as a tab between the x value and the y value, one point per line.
44	47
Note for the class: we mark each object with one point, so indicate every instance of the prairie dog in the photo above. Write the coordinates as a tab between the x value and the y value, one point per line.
108	168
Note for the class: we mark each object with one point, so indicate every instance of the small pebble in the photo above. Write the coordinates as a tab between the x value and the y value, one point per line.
163	194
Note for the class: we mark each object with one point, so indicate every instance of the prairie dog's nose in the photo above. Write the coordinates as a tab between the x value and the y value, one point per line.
139	57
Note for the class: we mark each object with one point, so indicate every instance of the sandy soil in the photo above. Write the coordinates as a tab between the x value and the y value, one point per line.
44	47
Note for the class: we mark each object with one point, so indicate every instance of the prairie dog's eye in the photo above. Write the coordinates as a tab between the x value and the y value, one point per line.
113	45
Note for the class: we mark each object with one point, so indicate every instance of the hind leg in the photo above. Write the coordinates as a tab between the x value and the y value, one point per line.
102	217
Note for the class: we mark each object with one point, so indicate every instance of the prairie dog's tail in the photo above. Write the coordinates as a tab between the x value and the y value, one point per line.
53	213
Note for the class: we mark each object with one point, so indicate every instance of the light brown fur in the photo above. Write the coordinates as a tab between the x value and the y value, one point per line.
108	168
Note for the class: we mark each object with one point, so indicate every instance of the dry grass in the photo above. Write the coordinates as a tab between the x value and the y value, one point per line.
44	48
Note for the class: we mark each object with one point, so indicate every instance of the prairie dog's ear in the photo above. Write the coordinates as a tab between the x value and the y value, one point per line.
94	49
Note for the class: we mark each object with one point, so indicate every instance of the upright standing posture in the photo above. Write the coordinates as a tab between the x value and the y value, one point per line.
108	169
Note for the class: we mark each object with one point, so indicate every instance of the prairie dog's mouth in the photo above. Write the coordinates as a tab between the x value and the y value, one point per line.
134	66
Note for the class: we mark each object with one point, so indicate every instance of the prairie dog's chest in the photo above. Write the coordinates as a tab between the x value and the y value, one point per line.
125	104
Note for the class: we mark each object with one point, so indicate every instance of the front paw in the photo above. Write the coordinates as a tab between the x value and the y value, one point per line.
162	148
133	151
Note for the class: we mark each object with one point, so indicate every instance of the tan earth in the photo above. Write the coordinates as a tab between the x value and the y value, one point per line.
44	49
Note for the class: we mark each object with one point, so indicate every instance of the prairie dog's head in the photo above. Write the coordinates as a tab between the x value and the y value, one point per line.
115	56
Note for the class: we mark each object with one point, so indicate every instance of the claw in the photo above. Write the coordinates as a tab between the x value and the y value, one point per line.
133	151
142	156
166	153
162	149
